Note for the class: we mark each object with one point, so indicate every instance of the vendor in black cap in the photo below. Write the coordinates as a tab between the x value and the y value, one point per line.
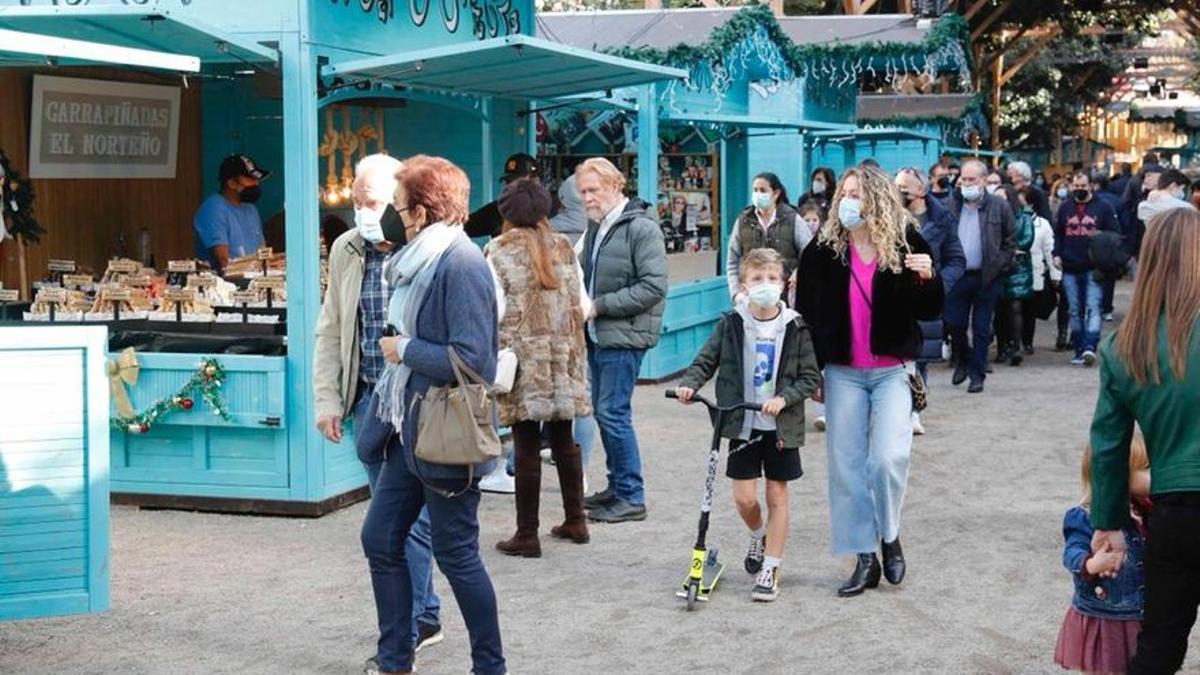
487	222
227	224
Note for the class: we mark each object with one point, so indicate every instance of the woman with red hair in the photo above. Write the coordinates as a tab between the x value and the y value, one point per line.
443	298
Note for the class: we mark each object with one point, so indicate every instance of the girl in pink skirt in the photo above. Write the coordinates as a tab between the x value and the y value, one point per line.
1099	633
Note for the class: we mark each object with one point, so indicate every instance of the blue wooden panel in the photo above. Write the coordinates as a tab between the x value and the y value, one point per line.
692	311
53	472
194	452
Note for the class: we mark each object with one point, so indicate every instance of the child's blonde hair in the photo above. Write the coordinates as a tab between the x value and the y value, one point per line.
1138	461
759	258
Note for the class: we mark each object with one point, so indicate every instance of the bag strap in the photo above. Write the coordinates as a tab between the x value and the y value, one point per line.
463	372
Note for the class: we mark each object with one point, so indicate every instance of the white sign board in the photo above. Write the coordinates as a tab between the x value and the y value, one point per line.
102	129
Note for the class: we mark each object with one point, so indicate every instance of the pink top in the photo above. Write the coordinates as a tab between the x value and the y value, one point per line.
860	316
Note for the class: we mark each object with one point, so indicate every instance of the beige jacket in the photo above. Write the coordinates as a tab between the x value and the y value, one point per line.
336	356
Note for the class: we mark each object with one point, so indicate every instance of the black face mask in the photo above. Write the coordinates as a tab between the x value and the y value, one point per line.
393	226
943	183
250	194
907	198
1081	195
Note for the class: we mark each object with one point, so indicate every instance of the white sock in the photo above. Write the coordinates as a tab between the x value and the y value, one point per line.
759	533
770	561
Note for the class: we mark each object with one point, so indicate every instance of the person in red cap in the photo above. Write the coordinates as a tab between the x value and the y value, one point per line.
227	224
487	221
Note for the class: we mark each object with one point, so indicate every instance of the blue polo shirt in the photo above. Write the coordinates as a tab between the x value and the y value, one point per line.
218	222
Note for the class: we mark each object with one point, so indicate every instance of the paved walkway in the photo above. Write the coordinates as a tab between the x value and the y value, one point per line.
197	593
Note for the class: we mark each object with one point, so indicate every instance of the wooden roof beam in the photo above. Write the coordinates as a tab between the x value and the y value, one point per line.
991	19
974	9
1025	58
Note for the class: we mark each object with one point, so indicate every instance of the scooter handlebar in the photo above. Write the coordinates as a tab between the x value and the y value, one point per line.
670	393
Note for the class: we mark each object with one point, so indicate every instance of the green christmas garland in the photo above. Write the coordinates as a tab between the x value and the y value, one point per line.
205	382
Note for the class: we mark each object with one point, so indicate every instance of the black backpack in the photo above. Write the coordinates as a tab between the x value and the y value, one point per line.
1108	254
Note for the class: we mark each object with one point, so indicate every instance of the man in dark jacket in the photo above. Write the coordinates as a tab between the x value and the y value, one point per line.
486	221
1101	190
937	227
1078	220
986	230
624	262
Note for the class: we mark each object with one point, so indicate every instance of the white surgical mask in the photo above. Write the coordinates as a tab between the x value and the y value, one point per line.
366	222
818	187
991	189
765	294
850	213
972	193
1062	192
761	199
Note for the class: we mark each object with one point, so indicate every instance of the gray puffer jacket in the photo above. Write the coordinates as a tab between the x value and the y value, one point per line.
629	281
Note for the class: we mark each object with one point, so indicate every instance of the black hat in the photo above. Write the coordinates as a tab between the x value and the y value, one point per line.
240	165
524	202
520	165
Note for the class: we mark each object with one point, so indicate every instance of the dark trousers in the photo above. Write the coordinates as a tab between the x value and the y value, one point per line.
1064	311
1010	325
454	525
1028	322
971	304
1109	286
1172	575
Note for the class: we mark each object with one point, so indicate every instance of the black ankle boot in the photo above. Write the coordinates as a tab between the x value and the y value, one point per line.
893	562
866	575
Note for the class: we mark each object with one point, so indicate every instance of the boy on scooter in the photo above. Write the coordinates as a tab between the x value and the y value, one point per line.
761	352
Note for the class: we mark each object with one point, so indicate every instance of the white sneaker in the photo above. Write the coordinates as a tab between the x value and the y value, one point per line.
819	423
547	455
498	481
766	587
918	428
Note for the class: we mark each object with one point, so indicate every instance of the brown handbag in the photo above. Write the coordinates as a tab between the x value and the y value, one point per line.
455	426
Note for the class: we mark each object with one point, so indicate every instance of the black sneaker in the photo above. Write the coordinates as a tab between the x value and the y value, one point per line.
428	634
601	499
619	511
754	556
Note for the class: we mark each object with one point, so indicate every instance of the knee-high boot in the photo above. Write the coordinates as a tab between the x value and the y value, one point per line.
528	495
570	478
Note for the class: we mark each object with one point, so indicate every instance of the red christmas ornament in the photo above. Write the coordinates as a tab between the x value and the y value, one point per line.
143	428
187	404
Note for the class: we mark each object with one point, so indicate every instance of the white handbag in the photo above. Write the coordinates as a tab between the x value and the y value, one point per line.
506	370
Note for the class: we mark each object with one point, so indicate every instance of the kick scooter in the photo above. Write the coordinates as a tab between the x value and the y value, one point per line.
705	570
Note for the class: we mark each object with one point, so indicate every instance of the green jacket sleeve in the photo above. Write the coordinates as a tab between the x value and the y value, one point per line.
704	366
1112	432
803	377
650	274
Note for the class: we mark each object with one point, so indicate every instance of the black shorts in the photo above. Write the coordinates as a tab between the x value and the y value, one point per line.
761	456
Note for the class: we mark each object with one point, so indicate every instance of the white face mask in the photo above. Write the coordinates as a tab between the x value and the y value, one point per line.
818	187
850	213
366	222
765	294
761	200
991	189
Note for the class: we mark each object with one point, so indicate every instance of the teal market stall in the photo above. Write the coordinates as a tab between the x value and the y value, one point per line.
762	93
277	78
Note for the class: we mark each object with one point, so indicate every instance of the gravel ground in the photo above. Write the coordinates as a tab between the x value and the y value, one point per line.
201	593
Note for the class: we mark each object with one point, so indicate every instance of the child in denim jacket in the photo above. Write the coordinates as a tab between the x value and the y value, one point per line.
1099	633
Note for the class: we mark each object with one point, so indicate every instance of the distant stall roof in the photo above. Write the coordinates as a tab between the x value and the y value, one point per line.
912	106
666	28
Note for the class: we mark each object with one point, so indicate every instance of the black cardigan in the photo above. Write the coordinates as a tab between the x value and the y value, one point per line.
898	302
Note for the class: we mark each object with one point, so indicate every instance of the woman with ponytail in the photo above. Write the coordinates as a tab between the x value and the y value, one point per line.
542	305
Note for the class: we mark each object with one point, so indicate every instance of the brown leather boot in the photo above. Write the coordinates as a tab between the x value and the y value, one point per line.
570	477
529	487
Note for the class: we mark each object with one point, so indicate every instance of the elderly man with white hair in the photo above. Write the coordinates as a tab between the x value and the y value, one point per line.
1022	176
348	359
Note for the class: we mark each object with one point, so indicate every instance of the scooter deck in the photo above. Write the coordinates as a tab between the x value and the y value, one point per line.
708	579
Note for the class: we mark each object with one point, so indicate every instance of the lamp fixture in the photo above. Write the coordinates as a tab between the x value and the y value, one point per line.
65	48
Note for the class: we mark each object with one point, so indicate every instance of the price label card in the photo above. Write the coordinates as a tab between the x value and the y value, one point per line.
181	295
61	265
77	280
202	281
118	294
181	266
244	297
124	266
265	253
274	283
139	281
58	295
10	295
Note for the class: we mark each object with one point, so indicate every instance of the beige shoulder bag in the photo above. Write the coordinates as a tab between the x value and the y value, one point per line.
455	426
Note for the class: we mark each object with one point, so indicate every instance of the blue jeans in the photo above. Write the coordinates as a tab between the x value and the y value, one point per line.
971	303
427	607
614	375
454	524
868	442
1084	295
584	433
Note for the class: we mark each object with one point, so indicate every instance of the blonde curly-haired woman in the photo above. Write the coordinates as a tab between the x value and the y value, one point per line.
864	283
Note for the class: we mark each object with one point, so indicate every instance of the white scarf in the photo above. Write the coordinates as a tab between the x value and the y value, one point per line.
408	275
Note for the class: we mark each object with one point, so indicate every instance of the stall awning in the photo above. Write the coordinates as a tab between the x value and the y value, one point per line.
955	150
516	66
685	117
875	134
134	28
